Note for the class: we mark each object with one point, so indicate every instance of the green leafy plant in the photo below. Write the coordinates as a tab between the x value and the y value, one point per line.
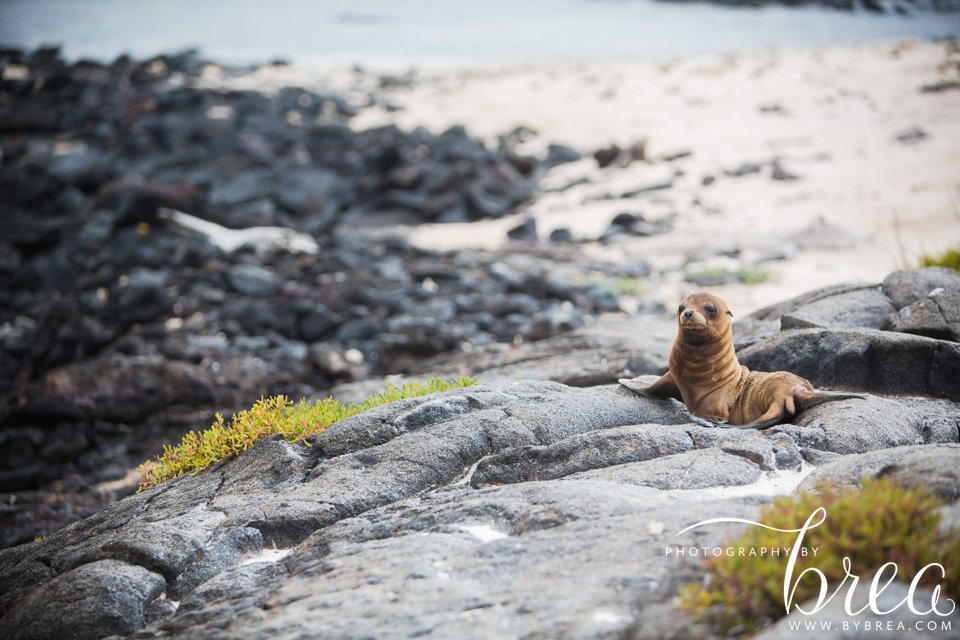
878	523
624	285
722	275
267	417
949	259
752	275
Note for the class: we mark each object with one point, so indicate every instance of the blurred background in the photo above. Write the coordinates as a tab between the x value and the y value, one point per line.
433	32
206	202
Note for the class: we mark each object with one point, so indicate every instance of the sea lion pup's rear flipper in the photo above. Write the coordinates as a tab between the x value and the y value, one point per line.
664	387
798	402
767	420
813	398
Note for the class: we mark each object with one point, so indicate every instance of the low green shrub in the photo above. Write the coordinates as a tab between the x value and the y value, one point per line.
949	259
722	275
270	416
878	523
624	285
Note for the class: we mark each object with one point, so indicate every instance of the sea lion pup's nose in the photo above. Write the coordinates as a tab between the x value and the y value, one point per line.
688	313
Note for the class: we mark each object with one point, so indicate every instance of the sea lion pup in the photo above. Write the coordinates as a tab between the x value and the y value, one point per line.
706	376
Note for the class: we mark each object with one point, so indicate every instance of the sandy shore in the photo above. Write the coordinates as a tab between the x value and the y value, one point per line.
863	202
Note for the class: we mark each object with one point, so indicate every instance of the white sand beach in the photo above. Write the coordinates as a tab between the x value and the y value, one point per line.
863	203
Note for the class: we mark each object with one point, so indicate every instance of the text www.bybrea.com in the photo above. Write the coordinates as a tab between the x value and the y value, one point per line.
870	625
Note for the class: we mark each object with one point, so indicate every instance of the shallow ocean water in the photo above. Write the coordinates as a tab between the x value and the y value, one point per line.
440	32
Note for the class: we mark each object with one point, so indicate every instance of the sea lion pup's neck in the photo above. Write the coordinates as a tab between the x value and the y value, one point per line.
706	360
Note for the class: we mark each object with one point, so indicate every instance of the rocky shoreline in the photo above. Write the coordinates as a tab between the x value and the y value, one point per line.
171	249
516	507
124	323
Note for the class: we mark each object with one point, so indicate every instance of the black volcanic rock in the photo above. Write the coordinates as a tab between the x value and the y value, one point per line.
113	311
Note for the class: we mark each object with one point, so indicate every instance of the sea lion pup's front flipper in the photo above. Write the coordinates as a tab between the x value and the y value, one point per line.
663	387
703	422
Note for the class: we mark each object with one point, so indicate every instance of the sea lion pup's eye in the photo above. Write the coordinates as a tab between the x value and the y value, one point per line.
680	310
712	310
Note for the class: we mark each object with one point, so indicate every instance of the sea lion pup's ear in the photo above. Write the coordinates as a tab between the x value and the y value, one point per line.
729	313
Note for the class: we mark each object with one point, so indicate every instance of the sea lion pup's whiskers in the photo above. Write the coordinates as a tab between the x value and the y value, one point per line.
706	376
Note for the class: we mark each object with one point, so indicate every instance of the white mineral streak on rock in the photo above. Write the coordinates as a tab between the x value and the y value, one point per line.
484	532
264	240
267	555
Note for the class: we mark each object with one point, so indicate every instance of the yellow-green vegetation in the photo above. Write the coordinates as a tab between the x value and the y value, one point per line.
949	259
271	416
752	275
624	285
719	275
878	523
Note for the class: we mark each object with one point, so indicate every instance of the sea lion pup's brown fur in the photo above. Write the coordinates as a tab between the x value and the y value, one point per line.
706	376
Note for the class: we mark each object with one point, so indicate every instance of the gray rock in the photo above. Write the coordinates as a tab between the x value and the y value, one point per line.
925	318
140	296
745	169
867	359
435	517
440	565
865	308
101	598
316	322
159	609
778	172
526	230
842	301
11	259
628	448
612	348
583	451
17	336
252	280
855	426
226	548
118	387
190	535
558	154
85	169
239	189
308	191
704	469
903	288
939	419
556	320
927	302
817	457
411	325
769	449
934	466
912	135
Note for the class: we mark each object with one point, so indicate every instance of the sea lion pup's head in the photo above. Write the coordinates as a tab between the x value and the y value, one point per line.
702	317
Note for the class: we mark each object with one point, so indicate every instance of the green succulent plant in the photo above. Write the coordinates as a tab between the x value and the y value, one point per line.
949	259
271	416
877	523
720	275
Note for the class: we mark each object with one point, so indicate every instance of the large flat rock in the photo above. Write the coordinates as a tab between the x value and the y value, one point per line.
513	509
